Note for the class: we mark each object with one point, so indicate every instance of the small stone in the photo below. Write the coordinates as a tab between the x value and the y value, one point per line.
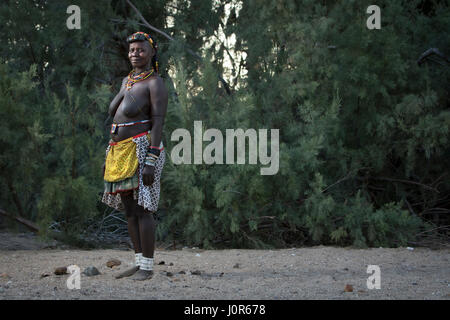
182	272
196	272
169	274
348	288
236	266
45	275
161	263
171	264
113	263
414	283
410	248
60	271
221	274
91	271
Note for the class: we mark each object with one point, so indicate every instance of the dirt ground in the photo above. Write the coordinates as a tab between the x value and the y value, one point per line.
27	272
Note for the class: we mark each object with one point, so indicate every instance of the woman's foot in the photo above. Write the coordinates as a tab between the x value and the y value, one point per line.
128	272
143	275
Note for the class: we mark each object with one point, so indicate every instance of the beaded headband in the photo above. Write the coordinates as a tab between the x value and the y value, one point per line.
142	36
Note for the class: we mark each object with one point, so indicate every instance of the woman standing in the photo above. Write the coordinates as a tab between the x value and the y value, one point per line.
135	155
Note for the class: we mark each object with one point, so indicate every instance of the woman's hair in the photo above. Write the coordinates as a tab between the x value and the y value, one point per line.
142	36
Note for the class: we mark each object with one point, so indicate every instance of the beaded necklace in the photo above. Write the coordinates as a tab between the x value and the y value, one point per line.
141	76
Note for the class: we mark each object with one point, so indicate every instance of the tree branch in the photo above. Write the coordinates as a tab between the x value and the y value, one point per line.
227	88
407	182
29	224
148	24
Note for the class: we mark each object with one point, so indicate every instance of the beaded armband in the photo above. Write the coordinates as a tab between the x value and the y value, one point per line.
152	156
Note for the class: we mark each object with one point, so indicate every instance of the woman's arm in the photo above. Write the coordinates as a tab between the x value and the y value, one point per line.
158	99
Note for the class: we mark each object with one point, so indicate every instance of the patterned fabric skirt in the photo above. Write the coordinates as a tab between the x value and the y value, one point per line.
146	196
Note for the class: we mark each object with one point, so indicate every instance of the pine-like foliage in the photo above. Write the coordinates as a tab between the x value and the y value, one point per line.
363	128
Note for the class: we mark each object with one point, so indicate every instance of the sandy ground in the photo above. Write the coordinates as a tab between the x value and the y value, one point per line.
235	274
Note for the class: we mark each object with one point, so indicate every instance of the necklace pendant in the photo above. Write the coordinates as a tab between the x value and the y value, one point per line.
114	128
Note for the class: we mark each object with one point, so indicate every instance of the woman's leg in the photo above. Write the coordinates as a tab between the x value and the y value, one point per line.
131	212
133	229
147	228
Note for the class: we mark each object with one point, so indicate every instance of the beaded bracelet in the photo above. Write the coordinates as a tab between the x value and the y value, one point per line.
152	155
149	163
151	158
155	151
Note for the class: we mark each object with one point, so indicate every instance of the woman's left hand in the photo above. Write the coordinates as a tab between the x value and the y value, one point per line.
148	175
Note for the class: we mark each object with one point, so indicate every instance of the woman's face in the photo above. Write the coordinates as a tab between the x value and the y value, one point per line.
140	54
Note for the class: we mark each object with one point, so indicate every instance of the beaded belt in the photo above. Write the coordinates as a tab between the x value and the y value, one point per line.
115	126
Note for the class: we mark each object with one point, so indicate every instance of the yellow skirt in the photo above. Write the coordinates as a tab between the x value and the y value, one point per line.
121	161
122	157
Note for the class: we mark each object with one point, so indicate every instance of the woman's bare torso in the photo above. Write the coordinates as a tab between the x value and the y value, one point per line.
134	105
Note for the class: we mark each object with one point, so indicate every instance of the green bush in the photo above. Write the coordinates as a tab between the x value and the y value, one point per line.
363	128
